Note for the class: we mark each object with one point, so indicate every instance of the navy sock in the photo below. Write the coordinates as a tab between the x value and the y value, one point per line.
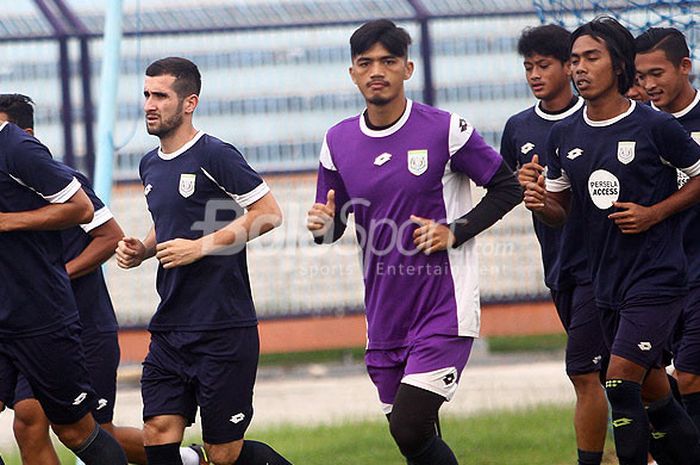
679	437
629	420
101	448
589	458
435	453
164	454
691	402
259	453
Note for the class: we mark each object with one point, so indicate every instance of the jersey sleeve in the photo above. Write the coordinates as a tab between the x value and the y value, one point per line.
508	152
469	153
30	164
102	212
677	147
329	178
228	169
556	179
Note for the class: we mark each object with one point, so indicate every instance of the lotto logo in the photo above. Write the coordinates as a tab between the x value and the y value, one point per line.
79	400
449	379
621	422
102	403
645	346
574	153
527	148
237	418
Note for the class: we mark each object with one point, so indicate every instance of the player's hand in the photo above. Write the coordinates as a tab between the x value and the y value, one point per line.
320	217
535	195
178	252
530	171
632	218
431	236
130	252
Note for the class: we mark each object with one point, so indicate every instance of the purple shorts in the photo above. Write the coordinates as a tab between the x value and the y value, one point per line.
642	331
687	344
585	347
212	370
54	365
434	364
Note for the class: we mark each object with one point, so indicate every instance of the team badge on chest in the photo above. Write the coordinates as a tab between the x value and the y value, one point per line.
418	161
187	183
625	151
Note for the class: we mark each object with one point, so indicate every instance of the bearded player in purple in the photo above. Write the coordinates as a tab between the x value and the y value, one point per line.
404	170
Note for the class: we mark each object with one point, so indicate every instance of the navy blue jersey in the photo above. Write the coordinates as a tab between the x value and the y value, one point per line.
690	119
525	135
91	295
191	193
629	158
34	288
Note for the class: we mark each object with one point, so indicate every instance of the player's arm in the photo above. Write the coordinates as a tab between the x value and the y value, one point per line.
76	210
262	216
550	207
131	252
105	239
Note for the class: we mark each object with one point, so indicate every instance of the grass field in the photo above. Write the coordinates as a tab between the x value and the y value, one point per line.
542	436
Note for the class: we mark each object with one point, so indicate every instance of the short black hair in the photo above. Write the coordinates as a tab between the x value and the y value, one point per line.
620	44
669	39
19	109
548	40
395	39
188	81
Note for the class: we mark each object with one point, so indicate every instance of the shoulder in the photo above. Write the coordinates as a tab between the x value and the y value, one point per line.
650	116
343	127
522	116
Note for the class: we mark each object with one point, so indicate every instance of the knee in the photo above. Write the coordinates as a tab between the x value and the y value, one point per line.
163	429
224	454
587	384
410	435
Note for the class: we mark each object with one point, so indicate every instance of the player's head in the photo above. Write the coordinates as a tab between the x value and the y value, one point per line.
663	66
17	109
637	92
545	52
380	61
171	89
602	58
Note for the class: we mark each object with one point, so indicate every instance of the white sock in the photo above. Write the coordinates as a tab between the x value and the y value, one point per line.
189	456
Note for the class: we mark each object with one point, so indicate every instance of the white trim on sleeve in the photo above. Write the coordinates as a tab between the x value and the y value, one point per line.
65	194
692	170
460	133
560	184
244	200
325	158
101	217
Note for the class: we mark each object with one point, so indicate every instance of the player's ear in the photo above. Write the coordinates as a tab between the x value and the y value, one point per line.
191	103
567	67
352	75
686	66
408	70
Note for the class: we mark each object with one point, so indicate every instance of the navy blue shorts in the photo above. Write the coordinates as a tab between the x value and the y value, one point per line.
687	344
212	370
54	366
102	359
586	351
642	331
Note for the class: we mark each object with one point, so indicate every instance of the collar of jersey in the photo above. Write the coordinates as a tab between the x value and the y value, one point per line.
686	110
558	116
2	125
181	150
391	129
611	121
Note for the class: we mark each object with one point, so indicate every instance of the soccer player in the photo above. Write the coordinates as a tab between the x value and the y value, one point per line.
403	169
39	328
616	160
204	338
545	50
86	247
663	69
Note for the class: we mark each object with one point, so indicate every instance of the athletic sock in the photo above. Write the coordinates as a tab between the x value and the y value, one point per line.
164	454
629	420
189	456
677	431
691	402
101	448
259	453
589	458
436	452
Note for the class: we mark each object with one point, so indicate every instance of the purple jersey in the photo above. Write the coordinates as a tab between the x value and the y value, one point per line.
419	166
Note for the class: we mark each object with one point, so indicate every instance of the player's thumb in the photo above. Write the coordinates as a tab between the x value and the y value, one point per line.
330	199
540	180
536	159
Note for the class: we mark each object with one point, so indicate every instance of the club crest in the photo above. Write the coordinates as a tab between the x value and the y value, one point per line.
187	183
625	151
696	136
418	161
